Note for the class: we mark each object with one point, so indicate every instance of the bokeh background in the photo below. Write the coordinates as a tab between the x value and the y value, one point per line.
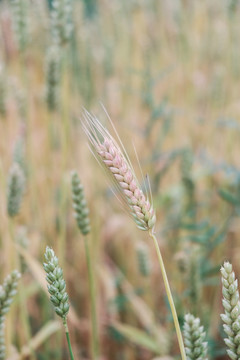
168	75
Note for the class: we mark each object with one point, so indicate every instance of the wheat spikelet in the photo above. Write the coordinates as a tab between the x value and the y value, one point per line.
52	74
16	187
118	165
21	22
7	293
62	21
194	336
231	306
80	205
57	285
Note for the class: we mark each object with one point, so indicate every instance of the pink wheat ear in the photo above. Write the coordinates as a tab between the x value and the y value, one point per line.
117	163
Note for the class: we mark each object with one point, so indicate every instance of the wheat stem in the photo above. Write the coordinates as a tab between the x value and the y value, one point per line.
95	342
169	295
68	338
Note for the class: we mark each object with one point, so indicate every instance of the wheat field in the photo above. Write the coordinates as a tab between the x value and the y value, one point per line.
167	74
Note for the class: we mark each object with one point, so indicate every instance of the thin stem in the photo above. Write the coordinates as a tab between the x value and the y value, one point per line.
68	339
95	343
169	295
11	256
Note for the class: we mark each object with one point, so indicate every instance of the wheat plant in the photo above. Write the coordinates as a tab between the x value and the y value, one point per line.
57	290
115	159
81	213
169	72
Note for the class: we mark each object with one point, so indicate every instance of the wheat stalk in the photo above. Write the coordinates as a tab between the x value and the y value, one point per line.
116	161
3	90
57	290
81	213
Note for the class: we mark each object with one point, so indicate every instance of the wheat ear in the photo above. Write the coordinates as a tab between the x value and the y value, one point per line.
194	336
7	292
57	290
53	77
62	21
118	164
231	317
81	211
16	187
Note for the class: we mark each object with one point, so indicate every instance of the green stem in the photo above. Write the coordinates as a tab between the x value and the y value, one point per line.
95	344
68	339
169	295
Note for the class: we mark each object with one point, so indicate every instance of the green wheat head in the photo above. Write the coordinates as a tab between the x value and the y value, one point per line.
56	284
16	187
81	211
62	21
194	338
20	20
53	77
7	292
231	317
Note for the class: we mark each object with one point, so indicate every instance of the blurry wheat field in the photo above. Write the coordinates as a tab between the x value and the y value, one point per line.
168	75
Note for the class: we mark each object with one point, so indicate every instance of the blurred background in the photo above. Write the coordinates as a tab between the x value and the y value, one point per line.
168	74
